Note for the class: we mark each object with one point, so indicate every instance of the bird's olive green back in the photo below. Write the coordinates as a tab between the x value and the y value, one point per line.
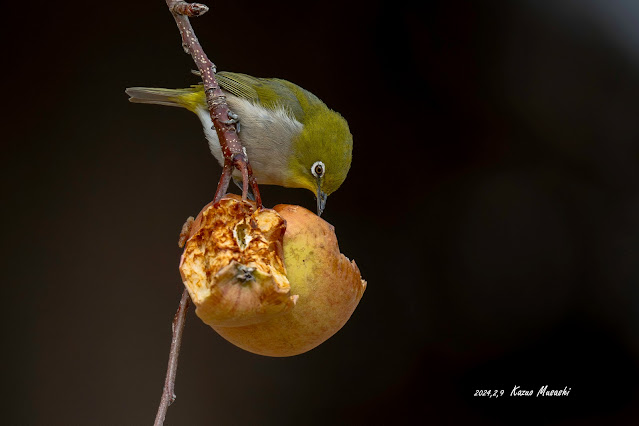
271	93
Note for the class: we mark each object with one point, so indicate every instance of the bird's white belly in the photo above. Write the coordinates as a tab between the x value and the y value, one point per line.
267	135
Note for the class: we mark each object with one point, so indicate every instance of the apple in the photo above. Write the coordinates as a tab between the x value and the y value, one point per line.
270	281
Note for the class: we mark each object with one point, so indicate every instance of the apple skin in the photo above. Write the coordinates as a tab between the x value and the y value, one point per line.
328	284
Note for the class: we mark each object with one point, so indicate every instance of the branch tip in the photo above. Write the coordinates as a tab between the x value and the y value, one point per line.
192	10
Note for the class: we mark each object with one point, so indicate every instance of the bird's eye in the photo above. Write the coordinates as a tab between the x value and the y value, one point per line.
318	168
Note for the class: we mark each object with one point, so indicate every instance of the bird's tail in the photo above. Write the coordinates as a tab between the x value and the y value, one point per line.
190	98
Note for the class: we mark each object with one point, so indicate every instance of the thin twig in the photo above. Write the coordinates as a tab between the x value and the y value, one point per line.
168	395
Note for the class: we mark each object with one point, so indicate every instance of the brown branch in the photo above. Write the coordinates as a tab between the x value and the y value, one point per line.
168	395
234	157
223	123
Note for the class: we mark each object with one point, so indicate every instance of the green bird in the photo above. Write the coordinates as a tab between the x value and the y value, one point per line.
292	138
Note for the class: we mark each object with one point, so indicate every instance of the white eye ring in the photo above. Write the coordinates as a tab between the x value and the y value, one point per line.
322	169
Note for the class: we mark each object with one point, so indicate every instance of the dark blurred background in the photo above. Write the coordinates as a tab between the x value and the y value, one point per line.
492	206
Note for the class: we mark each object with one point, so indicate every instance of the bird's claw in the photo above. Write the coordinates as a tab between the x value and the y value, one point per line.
233	119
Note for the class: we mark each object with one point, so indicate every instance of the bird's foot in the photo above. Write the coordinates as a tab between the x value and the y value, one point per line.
233	119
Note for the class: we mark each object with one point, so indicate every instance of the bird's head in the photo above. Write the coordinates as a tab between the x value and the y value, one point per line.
322	154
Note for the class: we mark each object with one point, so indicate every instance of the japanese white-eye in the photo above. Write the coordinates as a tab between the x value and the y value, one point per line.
292	138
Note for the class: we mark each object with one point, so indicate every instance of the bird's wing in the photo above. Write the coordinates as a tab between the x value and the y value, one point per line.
271	93
240	85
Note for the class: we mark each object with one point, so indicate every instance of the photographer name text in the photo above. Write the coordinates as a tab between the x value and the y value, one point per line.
518	391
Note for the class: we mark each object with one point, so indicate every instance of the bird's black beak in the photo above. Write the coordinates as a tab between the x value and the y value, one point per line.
321	199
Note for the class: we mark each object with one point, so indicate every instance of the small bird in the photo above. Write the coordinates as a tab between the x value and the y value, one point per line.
292	138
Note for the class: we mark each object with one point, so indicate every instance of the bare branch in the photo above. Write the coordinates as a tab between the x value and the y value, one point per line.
223	123
234	158
168	395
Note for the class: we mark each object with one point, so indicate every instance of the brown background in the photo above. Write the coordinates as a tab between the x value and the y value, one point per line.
493	207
